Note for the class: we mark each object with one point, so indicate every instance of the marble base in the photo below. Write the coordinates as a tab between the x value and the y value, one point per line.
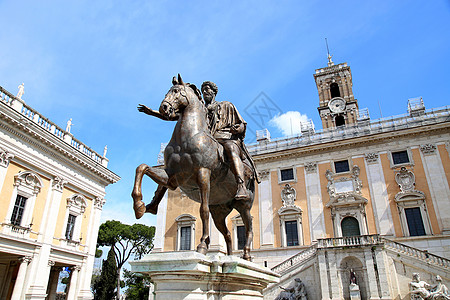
191	275
355	294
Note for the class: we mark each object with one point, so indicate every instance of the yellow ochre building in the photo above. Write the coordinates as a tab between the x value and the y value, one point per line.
364	197
52	190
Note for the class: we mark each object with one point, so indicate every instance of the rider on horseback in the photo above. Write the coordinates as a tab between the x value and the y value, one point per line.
228	128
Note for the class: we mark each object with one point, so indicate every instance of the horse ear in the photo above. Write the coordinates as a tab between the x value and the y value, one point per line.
174	81
180	80
196	90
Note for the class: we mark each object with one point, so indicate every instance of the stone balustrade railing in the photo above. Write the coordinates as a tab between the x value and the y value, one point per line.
19	105
295	260
405	121
350	241
417	253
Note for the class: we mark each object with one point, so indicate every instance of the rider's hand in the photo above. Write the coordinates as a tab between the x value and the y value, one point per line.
143	108
237	128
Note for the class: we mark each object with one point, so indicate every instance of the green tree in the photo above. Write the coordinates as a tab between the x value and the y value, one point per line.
104	285
125	240
138	285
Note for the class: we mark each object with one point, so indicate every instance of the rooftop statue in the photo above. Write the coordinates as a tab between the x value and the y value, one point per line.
206	158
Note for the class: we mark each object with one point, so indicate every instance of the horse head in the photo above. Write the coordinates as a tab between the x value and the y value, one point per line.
178	98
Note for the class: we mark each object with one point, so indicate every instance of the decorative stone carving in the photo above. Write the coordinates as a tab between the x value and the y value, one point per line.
288	195
21	91
297	291
357	183
422	290
428	149
310	167
28	181
405	180
5	158
51	263
75	268
264	175
99	202
78	202
58	183
26	259
371	158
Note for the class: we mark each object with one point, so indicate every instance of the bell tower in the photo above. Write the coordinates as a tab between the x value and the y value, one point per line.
337	105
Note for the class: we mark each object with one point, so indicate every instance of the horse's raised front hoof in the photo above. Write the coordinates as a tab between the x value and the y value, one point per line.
153	209
201	248
139	209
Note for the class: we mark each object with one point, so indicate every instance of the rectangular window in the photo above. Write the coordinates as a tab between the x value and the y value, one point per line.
287	174
70	227
19	207
291	233
185	238
241	237
415	222
341	166
400	157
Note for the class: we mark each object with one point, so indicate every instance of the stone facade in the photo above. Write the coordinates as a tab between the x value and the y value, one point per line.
387	179
52	190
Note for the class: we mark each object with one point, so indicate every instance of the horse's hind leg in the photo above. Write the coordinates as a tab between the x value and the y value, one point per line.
219	214
158	175
203	182
243	207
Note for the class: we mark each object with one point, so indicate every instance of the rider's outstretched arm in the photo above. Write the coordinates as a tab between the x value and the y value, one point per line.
151	112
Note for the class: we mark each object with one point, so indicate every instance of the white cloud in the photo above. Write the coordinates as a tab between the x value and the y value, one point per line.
289	122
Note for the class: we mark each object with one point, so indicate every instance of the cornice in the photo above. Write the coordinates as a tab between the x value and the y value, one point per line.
32	134
351	143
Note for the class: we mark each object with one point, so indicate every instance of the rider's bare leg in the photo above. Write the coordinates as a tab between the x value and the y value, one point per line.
237	167
152	207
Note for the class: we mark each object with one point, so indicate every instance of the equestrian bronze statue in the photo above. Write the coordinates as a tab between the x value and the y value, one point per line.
206	158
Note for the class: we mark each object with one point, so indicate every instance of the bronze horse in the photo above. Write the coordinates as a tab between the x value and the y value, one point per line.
194	162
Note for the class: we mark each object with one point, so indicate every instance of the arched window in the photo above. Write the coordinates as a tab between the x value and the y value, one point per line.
334	90
350	227
339	120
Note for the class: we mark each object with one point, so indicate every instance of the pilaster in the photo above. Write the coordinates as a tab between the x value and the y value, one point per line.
160	225
371	275
265	205
71	295
20	279
378	194
439	189
314	201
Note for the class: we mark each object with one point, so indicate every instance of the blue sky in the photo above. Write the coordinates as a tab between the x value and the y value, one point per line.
95	61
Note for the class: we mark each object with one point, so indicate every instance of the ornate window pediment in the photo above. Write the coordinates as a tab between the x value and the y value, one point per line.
28	182
185	231
77	204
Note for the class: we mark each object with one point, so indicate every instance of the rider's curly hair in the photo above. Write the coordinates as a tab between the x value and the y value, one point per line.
212	85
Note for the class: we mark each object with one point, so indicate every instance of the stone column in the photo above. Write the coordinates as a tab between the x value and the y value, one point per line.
53	283
378	194
20	280
314	200
160	225
91	242
382	268
71	295
265	207
336	291
439	189
372	285
324	284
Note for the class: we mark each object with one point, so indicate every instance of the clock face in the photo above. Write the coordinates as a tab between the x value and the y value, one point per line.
337	105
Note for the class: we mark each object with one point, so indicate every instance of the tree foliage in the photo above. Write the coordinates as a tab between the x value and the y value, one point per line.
104	285
125	240
138	285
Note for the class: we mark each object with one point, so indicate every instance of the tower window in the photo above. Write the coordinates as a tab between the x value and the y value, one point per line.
19	207
340	121
334	90
241	237
415	222
350	227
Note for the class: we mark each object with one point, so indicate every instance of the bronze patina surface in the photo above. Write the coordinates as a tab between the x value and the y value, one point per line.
206	158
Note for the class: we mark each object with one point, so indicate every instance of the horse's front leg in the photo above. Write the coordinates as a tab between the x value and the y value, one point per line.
158	175
203	182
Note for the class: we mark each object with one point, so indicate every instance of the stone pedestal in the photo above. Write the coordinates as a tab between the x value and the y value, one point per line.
191	275
354	292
